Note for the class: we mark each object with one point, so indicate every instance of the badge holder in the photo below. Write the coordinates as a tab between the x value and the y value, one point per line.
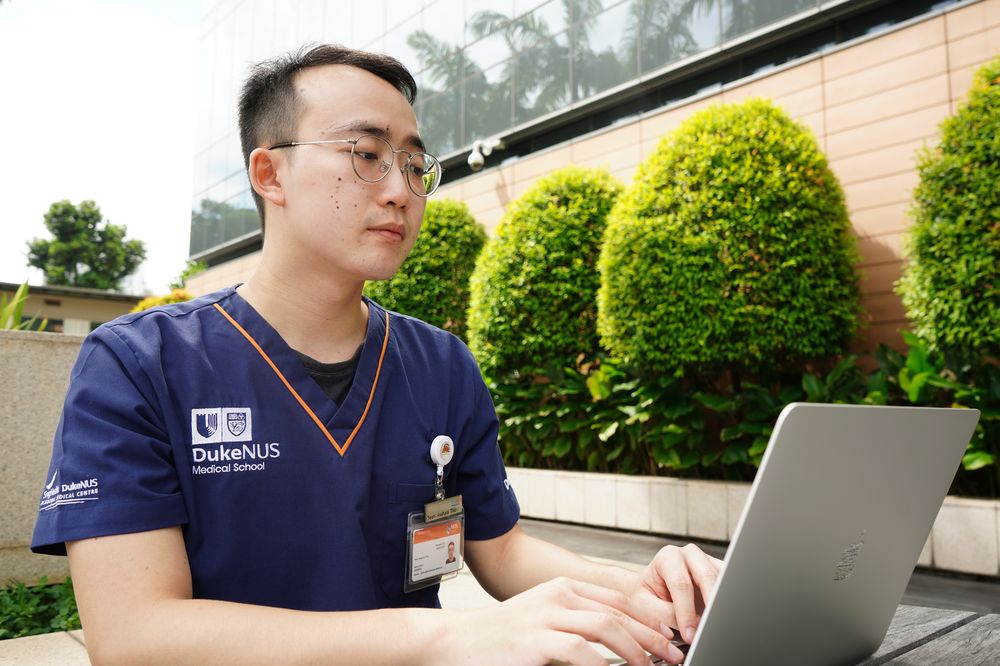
435	537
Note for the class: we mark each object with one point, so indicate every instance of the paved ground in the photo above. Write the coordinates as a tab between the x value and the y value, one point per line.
925	588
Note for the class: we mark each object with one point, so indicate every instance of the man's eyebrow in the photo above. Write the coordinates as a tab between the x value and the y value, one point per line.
366	127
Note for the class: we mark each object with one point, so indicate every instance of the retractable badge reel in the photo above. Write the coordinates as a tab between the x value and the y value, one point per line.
435	537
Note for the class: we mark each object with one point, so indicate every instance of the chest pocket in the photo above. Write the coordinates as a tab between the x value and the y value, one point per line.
390	557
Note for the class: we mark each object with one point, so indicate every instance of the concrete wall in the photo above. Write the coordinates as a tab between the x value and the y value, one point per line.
34	374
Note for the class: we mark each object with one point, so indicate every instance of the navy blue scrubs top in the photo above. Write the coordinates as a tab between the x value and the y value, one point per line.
198	414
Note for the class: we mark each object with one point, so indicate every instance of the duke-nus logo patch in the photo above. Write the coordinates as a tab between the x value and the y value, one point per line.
236	423
206	424
221	424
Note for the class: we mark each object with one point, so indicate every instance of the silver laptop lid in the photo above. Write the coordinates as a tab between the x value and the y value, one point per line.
836	519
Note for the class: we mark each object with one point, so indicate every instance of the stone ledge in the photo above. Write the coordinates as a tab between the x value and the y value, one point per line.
965	537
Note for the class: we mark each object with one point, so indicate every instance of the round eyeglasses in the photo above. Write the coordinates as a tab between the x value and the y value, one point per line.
372	157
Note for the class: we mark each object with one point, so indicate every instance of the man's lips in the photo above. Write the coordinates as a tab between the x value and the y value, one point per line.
393	232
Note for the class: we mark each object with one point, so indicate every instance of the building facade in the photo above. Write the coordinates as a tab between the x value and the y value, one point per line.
600	82
71	310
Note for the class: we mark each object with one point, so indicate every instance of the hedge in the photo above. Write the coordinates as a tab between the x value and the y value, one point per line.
533	299
951	283
731	248
433	283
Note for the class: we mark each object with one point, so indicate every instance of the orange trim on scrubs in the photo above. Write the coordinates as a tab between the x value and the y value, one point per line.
371	396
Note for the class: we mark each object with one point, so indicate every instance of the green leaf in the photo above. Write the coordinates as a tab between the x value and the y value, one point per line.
977	460
734	453
716	403
615	452
759	446
608	432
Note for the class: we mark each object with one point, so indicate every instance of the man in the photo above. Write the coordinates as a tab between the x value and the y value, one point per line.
243	502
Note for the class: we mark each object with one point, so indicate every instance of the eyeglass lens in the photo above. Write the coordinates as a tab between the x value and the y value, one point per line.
373	157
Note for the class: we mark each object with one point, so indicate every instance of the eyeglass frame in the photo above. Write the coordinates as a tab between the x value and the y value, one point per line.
395	151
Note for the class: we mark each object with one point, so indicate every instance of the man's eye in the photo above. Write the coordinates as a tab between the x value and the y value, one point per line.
366	156
417	170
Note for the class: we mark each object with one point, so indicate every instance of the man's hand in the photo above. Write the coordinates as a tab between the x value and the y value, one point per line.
675	588
553	622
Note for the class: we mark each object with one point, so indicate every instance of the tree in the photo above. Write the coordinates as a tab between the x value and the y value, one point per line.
86	251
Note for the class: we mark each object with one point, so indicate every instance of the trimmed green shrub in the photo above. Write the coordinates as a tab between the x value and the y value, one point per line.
951	284
533	291
176	296
38	609
433	282
602	417
732	248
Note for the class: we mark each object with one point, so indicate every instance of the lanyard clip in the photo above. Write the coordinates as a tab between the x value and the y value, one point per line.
439	483
442	450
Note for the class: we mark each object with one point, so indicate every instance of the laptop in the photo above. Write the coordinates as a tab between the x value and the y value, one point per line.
837	516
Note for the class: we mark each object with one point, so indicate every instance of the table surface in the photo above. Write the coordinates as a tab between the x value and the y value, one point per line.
917	636
920	635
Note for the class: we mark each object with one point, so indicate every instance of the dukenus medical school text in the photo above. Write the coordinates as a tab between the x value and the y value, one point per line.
232	459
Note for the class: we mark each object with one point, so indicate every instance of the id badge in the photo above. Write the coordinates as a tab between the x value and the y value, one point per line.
435	549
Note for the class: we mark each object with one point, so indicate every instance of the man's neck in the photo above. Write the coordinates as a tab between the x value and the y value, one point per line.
319	318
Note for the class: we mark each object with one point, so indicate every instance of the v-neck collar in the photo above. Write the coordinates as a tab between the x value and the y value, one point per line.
339	423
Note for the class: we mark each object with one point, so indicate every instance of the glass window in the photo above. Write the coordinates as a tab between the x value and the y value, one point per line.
197	242
439	74
337	22
525	6
223	83
397	45
262	40
234	156
218	162
742	16
440	118
237	220
310	26
488	51
673	29
604	51
588	9
550	17
487	103
206	79
286	27
369	23
475	9
201	174
542	79
443	24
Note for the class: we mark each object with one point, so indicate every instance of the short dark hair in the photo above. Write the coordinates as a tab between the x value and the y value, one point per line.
269	105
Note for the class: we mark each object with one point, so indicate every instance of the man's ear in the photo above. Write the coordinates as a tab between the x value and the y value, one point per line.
263	171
